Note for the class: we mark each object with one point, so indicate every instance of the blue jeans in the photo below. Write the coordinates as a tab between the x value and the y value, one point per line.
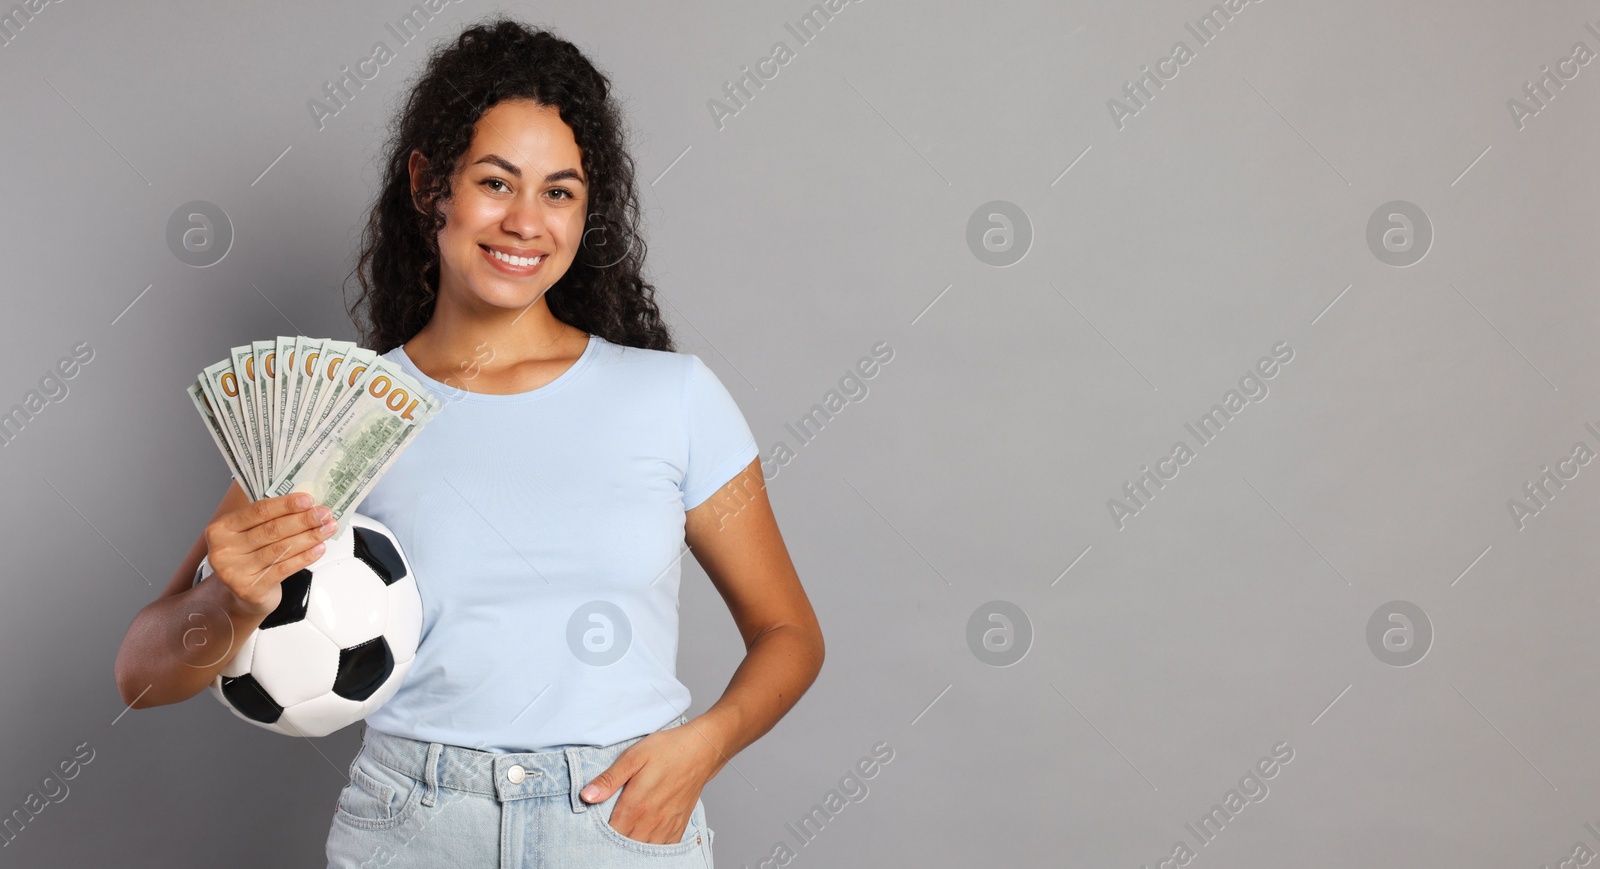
421	804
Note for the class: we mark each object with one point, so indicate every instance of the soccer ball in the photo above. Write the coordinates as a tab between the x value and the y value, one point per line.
339	644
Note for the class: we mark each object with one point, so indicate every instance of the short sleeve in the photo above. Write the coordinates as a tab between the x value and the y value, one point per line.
719	441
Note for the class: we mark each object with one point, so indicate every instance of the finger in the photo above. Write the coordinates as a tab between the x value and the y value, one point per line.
265	510
645	816
286	566
602	786
274	530
291	565
279	560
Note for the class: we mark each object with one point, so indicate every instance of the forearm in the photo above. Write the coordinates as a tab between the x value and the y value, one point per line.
777	669
177	644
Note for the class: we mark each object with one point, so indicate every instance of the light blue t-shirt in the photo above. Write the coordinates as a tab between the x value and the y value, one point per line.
545	530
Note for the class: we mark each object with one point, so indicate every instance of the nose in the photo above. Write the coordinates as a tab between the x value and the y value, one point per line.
525	217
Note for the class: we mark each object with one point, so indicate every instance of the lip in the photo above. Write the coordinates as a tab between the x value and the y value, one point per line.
508	268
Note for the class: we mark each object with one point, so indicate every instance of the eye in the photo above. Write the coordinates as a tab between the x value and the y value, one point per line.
487	181
562	190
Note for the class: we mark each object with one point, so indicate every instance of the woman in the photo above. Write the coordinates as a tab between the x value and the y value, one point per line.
544	510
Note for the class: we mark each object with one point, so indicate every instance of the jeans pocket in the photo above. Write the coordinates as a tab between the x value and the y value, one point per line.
693	830
377	797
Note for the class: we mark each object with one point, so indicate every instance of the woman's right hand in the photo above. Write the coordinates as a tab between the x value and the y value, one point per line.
253	549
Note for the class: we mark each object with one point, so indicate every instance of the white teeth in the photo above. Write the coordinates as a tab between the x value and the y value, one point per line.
515	260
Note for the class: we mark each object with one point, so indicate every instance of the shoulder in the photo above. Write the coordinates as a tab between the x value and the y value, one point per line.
658	369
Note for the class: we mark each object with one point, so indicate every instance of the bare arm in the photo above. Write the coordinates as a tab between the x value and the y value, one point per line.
735	537
178	643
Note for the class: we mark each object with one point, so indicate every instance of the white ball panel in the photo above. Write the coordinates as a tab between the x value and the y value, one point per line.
240	664
295	662
340	546
349	603
404	625
320	716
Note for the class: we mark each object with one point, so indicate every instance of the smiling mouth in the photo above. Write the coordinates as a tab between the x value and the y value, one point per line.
515	261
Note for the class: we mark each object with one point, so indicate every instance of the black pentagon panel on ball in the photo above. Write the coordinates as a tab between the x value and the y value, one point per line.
379	553
296	598
363	669
245	694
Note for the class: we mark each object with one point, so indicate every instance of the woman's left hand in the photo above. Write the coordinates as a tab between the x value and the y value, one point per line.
664	773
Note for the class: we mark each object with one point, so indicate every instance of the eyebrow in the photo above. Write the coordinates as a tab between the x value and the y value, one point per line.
503	163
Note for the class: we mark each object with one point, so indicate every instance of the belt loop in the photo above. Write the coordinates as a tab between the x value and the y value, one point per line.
360	748
575	775
430	773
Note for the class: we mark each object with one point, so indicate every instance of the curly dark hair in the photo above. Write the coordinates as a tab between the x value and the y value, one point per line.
603	292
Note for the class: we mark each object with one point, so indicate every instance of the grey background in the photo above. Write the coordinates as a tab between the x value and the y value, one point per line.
829	215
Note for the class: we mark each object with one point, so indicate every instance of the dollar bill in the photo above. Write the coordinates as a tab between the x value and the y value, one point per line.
344	376
243	359
426	411
329	383
256	368
310	415
222	387
281	373
297	385
377	414
214	426
391	453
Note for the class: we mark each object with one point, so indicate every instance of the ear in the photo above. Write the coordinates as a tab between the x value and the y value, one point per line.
415	165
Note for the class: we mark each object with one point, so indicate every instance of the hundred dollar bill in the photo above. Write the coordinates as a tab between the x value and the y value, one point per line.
243	359
327	385
257	369
243	364
396	446
228	415
319	416
222	386
429	408
358	471
333	375
375	416
214	426
267	368
347	384
283	370
298	385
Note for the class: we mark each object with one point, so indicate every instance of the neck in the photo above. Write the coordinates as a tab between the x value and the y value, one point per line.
460	335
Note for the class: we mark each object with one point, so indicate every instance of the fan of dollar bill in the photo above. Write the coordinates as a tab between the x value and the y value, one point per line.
310	415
